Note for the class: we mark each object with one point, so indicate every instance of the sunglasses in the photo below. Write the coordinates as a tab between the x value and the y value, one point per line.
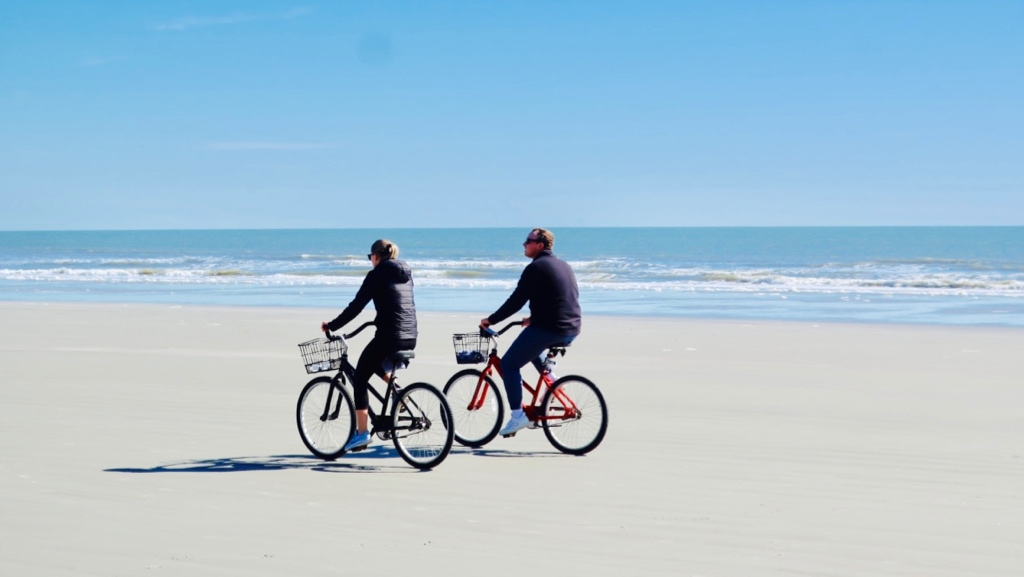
369	256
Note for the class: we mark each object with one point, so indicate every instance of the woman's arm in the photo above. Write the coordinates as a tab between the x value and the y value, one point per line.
359	302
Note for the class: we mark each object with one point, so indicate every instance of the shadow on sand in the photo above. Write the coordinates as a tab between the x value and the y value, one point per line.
369	460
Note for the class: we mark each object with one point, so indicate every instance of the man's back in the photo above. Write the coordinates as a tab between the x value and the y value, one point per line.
554	295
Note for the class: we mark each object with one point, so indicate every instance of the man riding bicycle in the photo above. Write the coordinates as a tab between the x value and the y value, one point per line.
549	285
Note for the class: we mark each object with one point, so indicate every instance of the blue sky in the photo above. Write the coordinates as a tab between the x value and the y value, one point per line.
134	115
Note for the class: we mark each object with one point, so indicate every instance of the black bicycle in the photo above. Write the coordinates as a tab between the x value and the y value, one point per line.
416	418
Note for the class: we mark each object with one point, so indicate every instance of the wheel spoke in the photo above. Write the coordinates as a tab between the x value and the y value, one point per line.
477	407
575	415
324	417
423	435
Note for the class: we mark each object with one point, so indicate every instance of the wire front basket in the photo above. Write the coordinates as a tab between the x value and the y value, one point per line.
321	355
471	348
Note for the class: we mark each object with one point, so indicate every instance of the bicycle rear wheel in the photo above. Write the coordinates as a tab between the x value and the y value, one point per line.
423	427
476	406
325	417
575	416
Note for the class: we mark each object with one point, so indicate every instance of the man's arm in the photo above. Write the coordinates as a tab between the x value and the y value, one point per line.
518	298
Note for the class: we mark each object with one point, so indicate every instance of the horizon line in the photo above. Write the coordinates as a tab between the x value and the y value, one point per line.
512	227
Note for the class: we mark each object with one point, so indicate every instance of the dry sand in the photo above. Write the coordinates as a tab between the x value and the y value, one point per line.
160	440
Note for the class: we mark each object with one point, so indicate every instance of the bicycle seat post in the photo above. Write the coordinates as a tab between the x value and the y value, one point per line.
396	361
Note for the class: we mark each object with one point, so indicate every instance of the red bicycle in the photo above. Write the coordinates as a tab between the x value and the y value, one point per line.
571	410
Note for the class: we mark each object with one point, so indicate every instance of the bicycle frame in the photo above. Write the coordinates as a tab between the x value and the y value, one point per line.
378	421
533	409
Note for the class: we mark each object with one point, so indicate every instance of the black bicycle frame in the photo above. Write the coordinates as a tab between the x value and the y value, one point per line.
347	370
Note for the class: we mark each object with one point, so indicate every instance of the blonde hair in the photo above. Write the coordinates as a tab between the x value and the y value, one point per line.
546	236
385	249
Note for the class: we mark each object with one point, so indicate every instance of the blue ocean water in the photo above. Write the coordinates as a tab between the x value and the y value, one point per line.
935	275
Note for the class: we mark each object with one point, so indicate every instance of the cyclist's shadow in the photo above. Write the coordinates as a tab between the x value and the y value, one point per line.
504	453
358	462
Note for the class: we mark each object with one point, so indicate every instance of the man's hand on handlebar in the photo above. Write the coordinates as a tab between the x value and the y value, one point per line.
485	328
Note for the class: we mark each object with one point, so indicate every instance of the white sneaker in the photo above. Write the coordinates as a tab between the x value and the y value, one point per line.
515	424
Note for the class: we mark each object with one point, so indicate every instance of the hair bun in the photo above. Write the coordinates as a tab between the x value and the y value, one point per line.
385	249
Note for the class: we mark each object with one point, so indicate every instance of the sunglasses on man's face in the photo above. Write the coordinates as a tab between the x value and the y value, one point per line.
529	240
369	256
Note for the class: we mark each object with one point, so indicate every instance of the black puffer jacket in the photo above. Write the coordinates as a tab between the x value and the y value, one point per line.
389	286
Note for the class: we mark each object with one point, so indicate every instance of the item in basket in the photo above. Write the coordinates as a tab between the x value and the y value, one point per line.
321	366
469	357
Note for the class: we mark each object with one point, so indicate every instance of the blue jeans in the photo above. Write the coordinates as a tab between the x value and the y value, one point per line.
529	346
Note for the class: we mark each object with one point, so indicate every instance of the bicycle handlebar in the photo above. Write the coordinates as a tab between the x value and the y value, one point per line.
331	337
491	332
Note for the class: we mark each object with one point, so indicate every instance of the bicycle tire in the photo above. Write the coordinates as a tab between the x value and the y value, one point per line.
474	427
423	430
323	430
578	428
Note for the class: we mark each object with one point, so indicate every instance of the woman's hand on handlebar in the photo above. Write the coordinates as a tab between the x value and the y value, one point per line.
327	332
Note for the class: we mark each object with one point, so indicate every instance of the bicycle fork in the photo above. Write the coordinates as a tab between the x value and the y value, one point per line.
328	414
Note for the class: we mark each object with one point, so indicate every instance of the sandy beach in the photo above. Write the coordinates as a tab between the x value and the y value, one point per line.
160	440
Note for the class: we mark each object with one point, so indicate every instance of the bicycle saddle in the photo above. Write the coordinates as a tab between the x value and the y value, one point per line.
402	357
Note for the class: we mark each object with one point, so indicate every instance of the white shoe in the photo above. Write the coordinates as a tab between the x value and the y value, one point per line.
515	424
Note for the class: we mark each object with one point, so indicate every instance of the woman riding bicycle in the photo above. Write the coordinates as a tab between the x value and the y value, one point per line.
389	285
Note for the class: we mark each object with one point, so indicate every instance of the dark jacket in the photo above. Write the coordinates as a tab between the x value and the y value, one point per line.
549	284
389	285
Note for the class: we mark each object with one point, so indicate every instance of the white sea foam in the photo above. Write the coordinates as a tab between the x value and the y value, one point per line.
740	281
922	275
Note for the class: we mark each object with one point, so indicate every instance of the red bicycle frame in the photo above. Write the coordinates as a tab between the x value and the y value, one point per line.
533	410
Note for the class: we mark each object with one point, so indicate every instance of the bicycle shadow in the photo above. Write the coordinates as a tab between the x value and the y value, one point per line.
505	453
349	463
358	462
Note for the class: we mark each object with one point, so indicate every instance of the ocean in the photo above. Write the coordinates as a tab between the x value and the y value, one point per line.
929	275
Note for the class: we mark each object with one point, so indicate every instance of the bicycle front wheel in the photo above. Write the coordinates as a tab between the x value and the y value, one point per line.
476	405
422	426
325	417
575	416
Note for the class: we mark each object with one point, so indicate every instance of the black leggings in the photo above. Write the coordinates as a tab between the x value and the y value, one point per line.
369	364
